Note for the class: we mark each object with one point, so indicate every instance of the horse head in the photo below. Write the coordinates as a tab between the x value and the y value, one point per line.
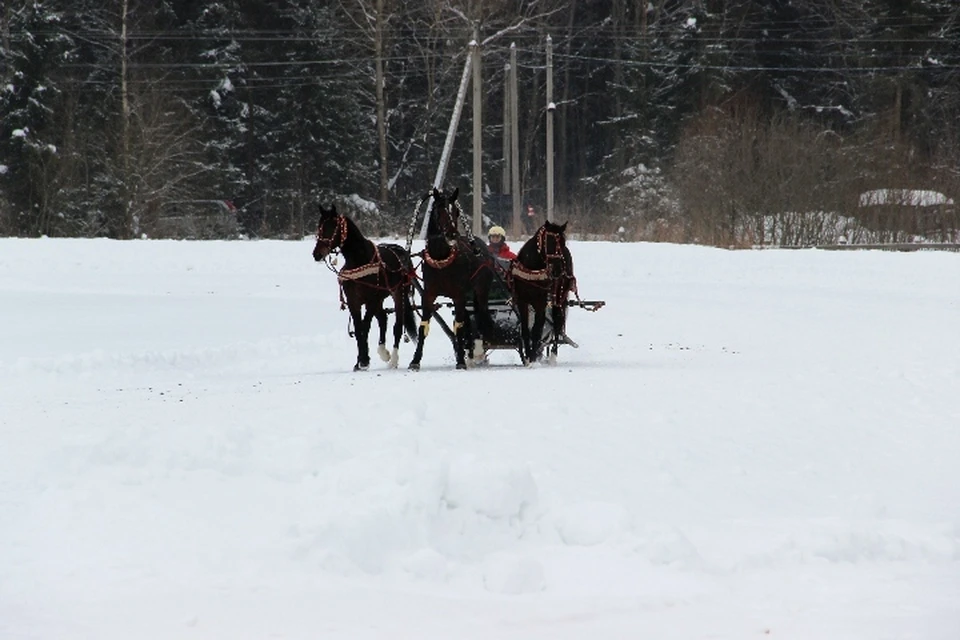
331	232
552	246
443	215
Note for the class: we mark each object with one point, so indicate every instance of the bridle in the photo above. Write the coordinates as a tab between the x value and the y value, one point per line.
449	231
558	245
449	226
340	231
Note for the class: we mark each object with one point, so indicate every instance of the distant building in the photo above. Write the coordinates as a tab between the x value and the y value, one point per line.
909	214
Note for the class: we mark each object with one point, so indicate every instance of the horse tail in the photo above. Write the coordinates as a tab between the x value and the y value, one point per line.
409	319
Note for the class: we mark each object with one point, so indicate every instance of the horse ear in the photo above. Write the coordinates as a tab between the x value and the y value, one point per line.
455	194
436	194
333	209
563	227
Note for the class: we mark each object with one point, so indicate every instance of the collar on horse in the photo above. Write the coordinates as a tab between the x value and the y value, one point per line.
453	244
441	264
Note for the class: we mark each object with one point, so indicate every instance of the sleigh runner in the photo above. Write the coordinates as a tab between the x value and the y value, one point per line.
506	323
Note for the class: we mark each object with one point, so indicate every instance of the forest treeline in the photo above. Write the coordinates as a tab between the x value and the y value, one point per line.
715	121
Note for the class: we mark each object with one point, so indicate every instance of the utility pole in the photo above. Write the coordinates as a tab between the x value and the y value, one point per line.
477	133
514	143
378	37
505	177
551	107
129	228
448	143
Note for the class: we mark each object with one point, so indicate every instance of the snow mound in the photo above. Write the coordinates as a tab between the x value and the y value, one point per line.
415	510
490	488
858	546
667	546
426	564
512	574
591	523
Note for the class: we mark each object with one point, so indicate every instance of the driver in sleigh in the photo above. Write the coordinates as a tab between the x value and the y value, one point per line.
498	246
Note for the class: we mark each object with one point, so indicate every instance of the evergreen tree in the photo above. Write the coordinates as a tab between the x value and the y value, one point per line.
29	103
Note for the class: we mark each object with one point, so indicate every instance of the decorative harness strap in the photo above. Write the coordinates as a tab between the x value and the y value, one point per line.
440	264
363	271
522	272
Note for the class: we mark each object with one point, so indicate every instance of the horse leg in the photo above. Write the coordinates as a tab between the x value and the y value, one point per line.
361	326
558	316
399	310
427	301
523	312
460	331
472	346
484	325
381	315
536	337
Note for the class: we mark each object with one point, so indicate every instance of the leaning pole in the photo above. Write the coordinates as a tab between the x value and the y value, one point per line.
451	135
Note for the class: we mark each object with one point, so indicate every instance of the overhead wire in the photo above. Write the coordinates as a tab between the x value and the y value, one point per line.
861	49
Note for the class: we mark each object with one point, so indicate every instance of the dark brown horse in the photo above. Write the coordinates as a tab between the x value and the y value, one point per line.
370	273
542	277
454	266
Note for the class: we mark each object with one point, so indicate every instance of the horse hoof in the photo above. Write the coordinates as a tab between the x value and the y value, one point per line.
461	365
414	366
361	367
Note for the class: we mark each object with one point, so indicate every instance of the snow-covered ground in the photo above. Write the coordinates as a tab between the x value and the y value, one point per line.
746	445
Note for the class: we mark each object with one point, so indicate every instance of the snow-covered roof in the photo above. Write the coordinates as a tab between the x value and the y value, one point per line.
903	197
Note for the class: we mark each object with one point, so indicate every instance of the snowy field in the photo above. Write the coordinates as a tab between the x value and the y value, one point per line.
746	445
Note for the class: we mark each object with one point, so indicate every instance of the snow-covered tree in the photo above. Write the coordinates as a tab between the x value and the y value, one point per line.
30	101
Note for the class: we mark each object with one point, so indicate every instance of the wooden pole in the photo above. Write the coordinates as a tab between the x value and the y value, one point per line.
505	178
514	144
551	107
448	143
477	134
